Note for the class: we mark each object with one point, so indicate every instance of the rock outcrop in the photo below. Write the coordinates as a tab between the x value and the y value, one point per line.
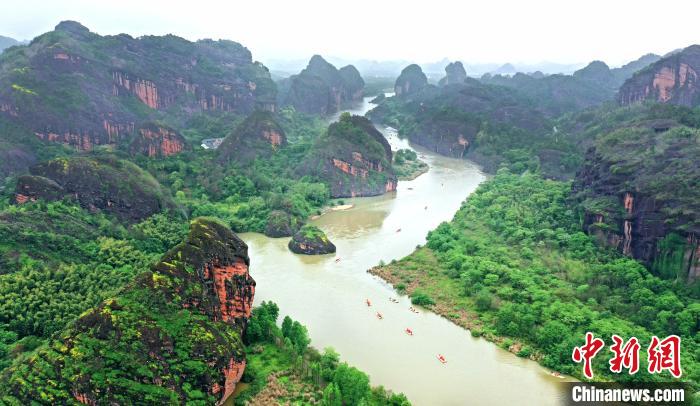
411	81
158	140
259	135
279	224
15	159
321	88
353	82
173	336
353	159
310	240
673	79
636	191
102	183
63	88
454	74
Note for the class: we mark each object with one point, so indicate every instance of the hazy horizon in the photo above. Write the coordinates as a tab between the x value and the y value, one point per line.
540	31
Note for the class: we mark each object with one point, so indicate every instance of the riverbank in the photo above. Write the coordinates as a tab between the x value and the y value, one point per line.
282	368
328	294
514	267
421	272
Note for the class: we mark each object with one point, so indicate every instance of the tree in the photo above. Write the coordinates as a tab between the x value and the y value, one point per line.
299	336
287	326
332	396
263	323
483	300
551	333
329	363
353	384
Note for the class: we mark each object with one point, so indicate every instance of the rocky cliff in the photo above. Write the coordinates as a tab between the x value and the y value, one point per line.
77	88
411	81
639	194
321	88
454	74
157	140
673	79
352	158
280	224
101	183
173	336
259	135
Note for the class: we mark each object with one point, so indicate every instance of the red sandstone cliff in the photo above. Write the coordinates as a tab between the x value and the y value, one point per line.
673	79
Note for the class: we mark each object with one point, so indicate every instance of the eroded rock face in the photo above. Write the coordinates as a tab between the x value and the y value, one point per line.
321	88
154	140
259	135
310	240
279	224
454	73
87	100
177	326
105	183
673	79
411	81
627	210
354	159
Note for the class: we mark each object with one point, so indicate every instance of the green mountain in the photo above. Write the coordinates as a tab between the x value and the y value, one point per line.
74	87
321	88
6	42
352	158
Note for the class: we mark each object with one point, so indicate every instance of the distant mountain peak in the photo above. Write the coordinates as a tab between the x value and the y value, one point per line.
72	27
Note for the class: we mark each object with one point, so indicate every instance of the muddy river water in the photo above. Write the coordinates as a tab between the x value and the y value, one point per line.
328	296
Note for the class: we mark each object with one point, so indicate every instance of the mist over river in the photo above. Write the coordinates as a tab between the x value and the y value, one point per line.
328	296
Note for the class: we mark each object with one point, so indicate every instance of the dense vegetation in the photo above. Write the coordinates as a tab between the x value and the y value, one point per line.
407	165
58	260
282	367
491	125
352	157
245	195
514	266
158	340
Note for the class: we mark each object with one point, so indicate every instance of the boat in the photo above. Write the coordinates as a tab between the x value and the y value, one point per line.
379	316
441	358
398	231
368	302
409	331
337	260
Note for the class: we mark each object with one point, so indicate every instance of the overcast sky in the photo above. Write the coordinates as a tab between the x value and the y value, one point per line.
519	31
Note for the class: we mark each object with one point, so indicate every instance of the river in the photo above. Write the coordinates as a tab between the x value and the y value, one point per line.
329	297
